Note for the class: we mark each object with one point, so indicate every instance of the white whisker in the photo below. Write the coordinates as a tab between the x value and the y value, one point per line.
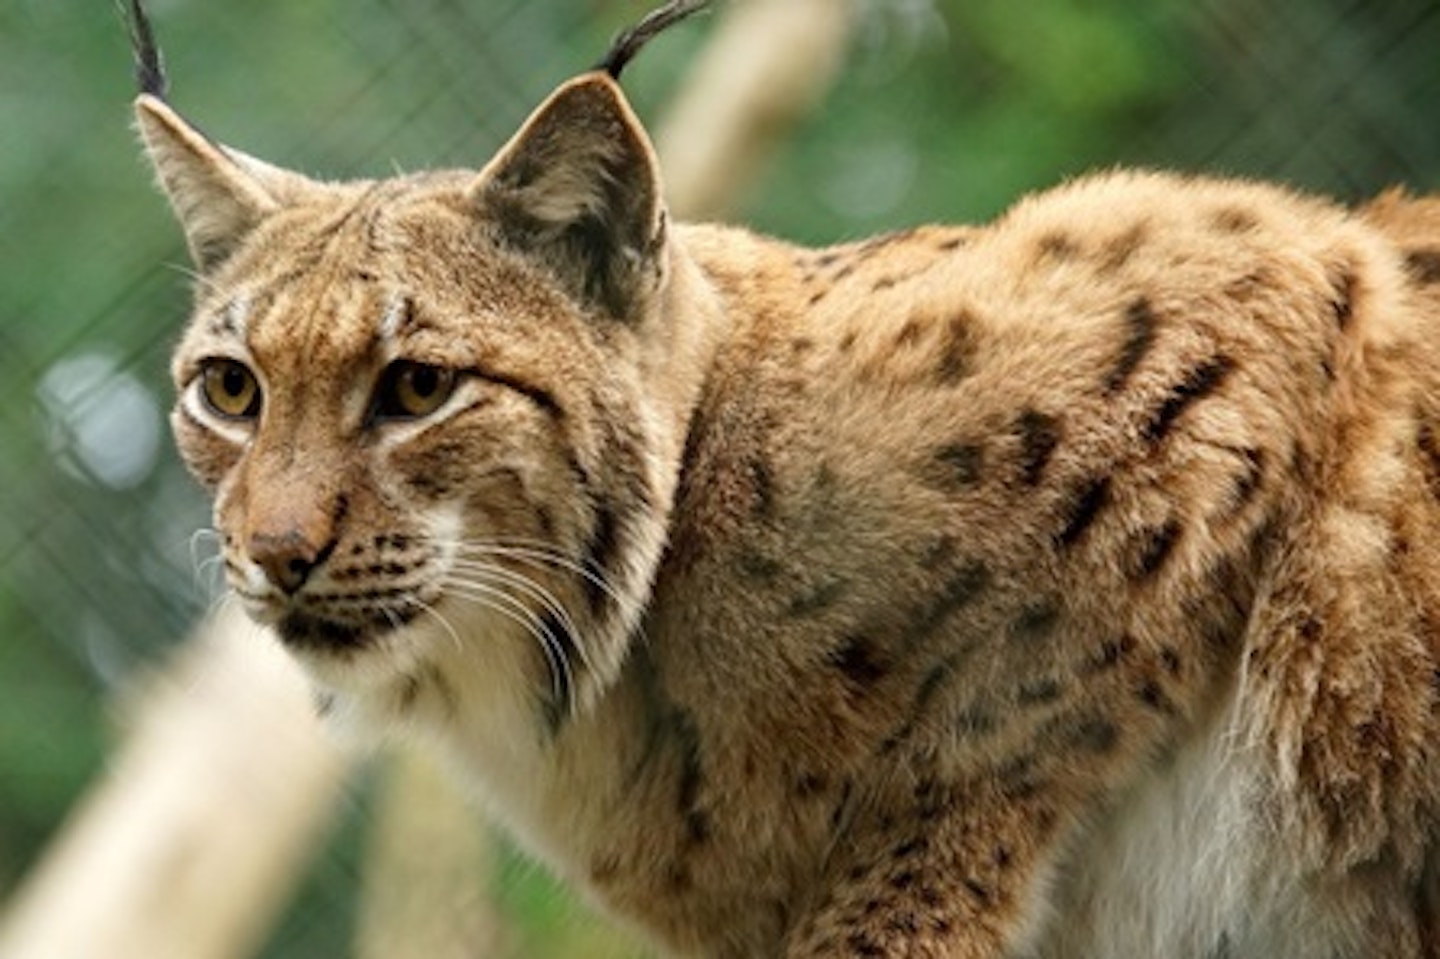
198	565
528	587
538	553
444	623
497	600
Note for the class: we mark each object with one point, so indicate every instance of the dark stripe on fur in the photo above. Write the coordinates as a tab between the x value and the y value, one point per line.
1200	383
600	554
1423	266
1086	506
1039	436
1140	323
1155	549
542	398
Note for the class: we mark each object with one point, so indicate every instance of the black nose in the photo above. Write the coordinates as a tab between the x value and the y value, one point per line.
287	559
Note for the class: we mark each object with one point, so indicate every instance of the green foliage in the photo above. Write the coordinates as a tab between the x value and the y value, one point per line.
949	110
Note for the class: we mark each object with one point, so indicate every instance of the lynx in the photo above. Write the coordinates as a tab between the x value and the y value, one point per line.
1066	586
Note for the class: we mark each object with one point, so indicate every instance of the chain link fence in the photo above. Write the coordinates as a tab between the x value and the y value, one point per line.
949	109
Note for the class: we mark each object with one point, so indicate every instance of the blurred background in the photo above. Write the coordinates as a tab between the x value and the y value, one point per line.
946	110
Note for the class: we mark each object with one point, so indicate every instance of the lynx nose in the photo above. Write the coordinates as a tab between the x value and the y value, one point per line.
287	558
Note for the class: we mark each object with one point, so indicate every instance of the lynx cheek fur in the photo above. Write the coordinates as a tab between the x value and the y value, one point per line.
1063	587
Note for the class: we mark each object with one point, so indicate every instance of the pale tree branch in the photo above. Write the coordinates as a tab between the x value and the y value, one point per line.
768	65
197	833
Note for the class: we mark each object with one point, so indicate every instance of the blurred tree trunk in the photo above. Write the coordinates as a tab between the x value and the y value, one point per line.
198	832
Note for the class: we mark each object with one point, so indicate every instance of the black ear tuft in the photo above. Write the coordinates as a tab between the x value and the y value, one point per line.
149	64
630	42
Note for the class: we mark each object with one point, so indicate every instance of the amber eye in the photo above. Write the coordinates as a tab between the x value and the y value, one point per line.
410	390
230	389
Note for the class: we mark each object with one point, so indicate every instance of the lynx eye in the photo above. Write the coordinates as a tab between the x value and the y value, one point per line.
411	390
230	389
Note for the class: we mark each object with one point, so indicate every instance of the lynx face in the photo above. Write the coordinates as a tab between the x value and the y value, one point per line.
399	446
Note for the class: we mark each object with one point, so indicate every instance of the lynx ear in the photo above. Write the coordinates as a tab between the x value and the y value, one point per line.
218	194
578	187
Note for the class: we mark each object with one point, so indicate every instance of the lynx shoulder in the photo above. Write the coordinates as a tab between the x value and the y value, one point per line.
1064	586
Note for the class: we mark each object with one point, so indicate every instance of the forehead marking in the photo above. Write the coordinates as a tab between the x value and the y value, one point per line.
233	319
399	315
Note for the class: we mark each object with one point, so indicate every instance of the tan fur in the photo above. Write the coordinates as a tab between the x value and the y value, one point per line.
1063	587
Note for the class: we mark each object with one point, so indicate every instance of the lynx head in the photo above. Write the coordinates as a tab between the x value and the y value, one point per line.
432	409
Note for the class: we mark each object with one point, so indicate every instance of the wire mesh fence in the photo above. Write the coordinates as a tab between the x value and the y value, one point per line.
948	110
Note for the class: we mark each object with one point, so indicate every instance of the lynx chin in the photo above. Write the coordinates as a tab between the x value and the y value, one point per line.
1066	586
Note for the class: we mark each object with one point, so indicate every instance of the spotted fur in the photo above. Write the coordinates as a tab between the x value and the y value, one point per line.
1067	586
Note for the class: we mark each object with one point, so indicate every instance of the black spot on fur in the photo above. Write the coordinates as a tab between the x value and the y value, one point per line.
1198	384
697	827
951	243
809	785
1153	695
1140	330
1423	266
1039	436
1118	250
1036	620
1233	219
860	661
956	465
1058	246
1092	734
956	350
1086	505
1156	546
